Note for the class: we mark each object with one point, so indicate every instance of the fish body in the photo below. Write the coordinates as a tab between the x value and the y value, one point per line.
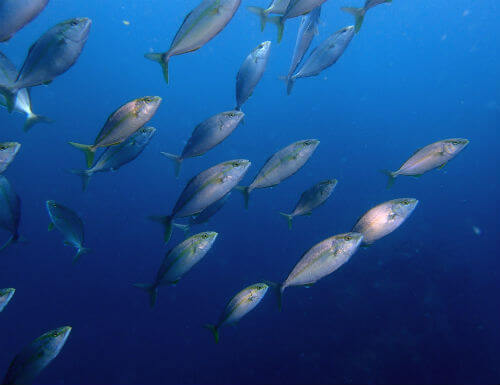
15	14
8	152
8	74
239	306
325	55
383	219
251	72
432	156
323	259
206	136
307	30
209	212
51	55
359	13
121	124
69	224
115	157
300	7
204	189
312	198
10	211
5	297
179	261
200	26
36	356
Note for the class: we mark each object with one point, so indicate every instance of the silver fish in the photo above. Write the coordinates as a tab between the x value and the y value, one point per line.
200	26
251	72
277	7
15	14
359	13
121	124
51	55
10	211
322	260
324	55
434	155
281	165
179	261
36	356
307	30
69	224
239	306
312	198
8	74
204	189
115	157
8	152
206	136
5	297
383	219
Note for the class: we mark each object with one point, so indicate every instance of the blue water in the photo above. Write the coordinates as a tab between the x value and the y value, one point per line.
419	306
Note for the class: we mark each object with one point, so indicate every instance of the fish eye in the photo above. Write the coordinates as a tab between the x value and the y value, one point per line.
405	202
74	23
204	236
236	164
455	142
231	114
347	238
3	147
147	99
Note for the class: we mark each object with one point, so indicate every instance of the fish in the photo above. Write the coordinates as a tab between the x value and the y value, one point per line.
117	156
54	53
204	189
281	166
384	218
121	124
10	212
179	261
8	73
295	8
251	72
209	212
359	13
200	26
15	14
206	136
239	306
307	30
277	7
325	55
36	356
69	224
434	155
310	199
5	297
8	151
322	260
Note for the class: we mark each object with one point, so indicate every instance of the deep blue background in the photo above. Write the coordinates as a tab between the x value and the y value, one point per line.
420	306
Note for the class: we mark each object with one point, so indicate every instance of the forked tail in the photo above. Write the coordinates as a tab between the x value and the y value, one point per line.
246	194
166	221
85	175
289	218
88	151
391	177
33	119
177	160
151	289
359	15
215	331
79	253
261	12
161	60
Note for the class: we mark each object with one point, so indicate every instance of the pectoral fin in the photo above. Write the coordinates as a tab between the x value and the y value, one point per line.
51	226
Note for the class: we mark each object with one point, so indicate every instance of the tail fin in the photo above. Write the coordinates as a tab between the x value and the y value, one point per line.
279	23
160	59
88	150
177	162
289	218
79	253
246	194
151	289
166	221
261	12
392	177
13	239
289	85
10	95
184	228
215	331
33	119
278	289
85	175
358	13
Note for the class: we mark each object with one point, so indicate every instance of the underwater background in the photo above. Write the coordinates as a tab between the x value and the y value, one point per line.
419	306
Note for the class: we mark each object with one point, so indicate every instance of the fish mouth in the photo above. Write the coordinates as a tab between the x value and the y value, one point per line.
50	203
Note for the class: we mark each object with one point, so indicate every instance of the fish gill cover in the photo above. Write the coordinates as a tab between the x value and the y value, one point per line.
383	285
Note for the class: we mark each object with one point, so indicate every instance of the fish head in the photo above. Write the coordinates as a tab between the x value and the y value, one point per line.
146	132
231	119
262	50
260	288
7	292
9	149
347	242
55	339
346	33
455	145
308	146
403	207
145	108
237	168
50	205
76	29
327	186
205	240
